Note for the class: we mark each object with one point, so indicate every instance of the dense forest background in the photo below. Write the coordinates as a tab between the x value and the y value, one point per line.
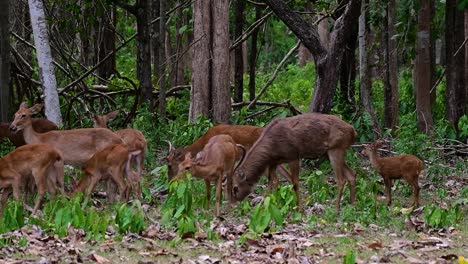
396	70
383	65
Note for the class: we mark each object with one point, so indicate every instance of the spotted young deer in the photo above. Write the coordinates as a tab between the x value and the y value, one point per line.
41	161
406	167
134	139
111	163
76	146
308	135
215	161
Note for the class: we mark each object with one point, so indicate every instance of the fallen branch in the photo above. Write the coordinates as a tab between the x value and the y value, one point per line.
275	73
286	104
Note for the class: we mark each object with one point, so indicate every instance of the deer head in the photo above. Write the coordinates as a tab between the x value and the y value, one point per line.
23	116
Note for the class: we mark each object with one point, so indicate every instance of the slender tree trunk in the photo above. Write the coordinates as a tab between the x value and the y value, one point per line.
162	39
464	97
155	39
178	69
144	52
391	70
365	77
423	68
455	93
220	68
238	58
4	60
106	42
253	56
348	69
200	96
44	57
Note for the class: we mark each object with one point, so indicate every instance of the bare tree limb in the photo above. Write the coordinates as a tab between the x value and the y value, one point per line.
275	73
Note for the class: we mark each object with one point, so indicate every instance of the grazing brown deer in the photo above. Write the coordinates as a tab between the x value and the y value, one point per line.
216	160
40	125
406	167
243	135
303	136
111	163
41	161
76	146
134	139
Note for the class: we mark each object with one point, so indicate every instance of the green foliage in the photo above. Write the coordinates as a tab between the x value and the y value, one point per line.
349	258
130	218
6	147
437	217
463	127
12	217
177	209
61	213
275	207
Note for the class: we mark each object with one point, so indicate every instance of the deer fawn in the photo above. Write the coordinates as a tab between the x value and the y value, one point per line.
134	139
211	164
406	167
111	163
41	161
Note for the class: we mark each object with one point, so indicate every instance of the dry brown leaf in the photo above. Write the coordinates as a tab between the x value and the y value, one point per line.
98	258
375	245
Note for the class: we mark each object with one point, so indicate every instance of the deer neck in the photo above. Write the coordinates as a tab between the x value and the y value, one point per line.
30	136
374	158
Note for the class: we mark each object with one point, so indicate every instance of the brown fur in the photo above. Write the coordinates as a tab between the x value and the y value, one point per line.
244	135
211	164
304	136
40	161
76	146
406	167
40	125
134	139
111	163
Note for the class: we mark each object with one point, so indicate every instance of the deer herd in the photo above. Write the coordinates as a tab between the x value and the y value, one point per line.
237	154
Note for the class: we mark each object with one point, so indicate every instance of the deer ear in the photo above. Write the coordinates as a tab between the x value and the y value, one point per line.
36	108
23	105
188	155
112	114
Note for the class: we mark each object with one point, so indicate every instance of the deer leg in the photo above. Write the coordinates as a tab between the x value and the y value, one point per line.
229	188
336	157
110	191
58	171
40	178
219	188
208	193
415	186
272	178
294	167
93	180
388	190
4	199
118	177
351	178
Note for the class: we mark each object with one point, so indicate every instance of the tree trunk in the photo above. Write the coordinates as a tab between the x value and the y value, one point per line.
200	96
365	77
44	58
253	55
455	93
391	68
106	42
144	52
4	60
155	39
327	61
178	65
162	39
220	90
423	68
348	70
238	58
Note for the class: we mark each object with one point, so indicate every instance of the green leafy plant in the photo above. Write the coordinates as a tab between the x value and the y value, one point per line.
130	218
177	209
275	207
12	217
349	258
437	217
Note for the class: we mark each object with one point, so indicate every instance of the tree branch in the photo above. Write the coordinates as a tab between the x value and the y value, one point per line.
306	32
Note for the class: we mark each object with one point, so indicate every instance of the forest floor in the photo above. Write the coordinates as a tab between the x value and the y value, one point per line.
402	241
